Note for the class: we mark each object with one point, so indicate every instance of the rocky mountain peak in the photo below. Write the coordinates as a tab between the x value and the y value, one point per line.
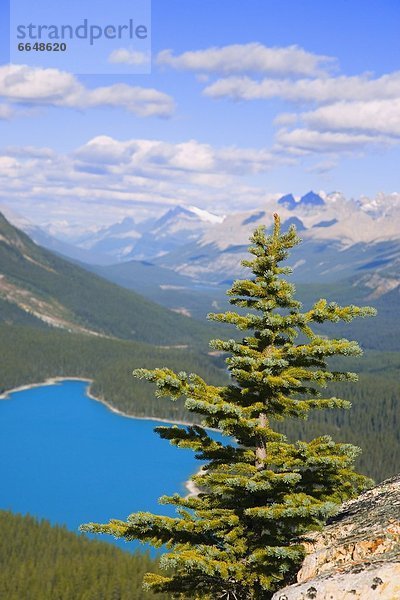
173	213
127	224
311	199
289	201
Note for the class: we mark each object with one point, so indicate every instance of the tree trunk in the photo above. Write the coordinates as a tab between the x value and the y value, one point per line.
261	449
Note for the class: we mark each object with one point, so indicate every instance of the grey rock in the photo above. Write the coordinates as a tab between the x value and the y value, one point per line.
357	555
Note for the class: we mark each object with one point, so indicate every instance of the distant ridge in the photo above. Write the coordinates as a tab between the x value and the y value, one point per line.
52	291
309	199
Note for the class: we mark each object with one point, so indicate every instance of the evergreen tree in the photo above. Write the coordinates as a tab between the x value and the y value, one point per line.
240	537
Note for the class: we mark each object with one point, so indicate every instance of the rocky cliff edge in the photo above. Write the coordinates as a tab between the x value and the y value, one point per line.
357	555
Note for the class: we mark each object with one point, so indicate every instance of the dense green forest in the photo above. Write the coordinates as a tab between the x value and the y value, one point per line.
30	355
43	562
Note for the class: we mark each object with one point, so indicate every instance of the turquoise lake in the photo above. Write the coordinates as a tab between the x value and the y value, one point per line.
69	459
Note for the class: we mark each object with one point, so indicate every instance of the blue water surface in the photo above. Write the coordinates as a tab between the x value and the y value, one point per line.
69	459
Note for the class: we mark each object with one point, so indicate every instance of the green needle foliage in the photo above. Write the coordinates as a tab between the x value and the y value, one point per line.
240	537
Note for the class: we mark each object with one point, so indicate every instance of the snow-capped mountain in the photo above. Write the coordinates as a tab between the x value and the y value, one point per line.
381	205
206	216
346	236
178	227
331	217
342	237
151	238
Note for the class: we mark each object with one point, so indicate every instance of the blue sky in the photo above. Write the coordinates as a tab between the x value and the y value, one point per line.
246	100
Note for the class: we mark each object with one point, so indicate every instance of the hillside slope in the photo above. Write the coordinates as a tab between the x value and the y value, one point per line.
43	286
44	562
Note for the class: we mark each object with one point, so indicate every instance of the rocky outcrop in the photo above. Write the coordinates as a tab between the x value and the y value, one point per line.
357	555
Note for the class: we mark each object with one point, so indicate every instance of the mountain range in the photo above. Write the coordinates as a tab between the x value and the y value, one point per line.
340	238
348	236
186	258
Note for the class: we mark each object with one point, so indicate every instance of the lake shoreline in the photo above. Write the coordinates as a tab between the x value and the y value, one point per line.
56	380
189	484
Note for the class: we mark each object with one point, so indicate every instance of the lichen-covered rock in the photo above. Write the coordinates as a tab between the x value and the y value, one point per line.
357	555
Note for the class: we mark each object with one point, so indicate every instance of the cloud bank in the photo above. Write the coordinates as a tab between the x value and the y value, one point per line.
245	58
108	178
23	85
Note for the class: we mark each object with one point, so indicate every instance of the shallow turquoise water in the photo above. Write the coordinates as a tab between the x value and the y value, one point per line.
69	459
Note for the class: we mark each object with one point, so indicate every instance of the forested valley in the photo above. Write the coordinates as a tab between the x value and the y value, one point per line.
30	355
44	562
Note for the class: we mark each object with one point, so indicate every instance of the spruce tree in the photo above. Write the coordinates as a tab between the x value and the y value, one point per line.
240	537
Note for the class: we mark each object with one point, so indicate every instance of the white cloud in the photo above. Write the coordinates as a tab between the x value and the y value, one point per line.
144	102
375	116
104	150
343	127
177	160
323	167
286	119
129	57
7	165
298	141
245	58
20	84
317	90
31	152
